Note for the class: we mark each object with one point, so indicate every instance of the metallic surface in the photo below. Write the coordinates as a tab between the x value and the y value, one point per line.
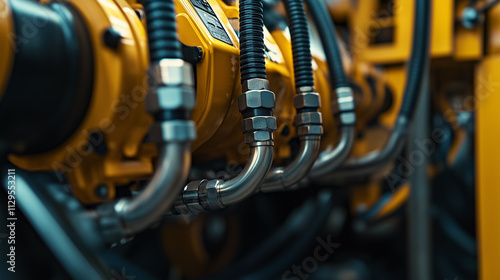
375	161
173	131
172	72
329	160
285	178
131	215
208	195
252	176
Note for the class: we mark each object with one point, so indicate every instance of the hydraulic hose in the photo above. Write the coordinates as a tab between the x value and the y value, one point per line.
363	166
256	104
326	29
293	228
301	50
308	120
172	130
161	28
252	59
330	159
289	255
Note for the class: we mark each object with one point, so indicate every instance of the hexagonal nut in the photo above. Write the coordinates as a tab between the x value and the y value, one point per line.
308	118
254	84
170	98
209	195
306	130
254	99
258	136
306	100
171	72
173	131
190	196
258	123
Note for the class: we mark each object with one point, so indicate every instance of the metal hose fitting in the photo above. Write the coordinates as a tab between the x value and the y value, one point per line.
171	91
330	159
375	161
256	104
308	122
170	99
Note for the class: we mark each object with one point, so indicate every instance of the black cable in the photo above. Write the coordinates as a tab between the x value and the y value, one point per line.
296	222
162	31
328	36
252	59
283	261
301	49
418	59
374	161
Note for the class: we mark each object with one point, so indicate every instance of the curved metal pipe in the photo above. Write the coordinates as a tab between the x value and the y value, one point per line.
283	178
376	160
329	160
256	104
206	195
253	175
144	209
129	216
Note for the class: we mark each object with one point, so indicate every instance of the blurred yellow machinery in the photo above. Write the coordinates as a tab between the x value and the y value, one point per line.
95	92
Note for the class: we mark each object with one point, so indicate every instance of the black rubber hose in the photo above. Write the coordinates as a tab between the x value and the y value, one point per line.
374	161
328	36
301	47
252	60
161	28
280	263
419	56
295	224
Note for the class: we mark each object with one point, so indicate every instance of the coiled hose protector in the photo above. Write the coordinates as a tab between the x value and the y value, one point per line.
252	59
301	49
161	28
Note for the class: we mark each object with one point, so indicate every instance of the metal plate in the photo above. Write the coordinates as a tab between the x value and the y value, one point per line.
211	20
